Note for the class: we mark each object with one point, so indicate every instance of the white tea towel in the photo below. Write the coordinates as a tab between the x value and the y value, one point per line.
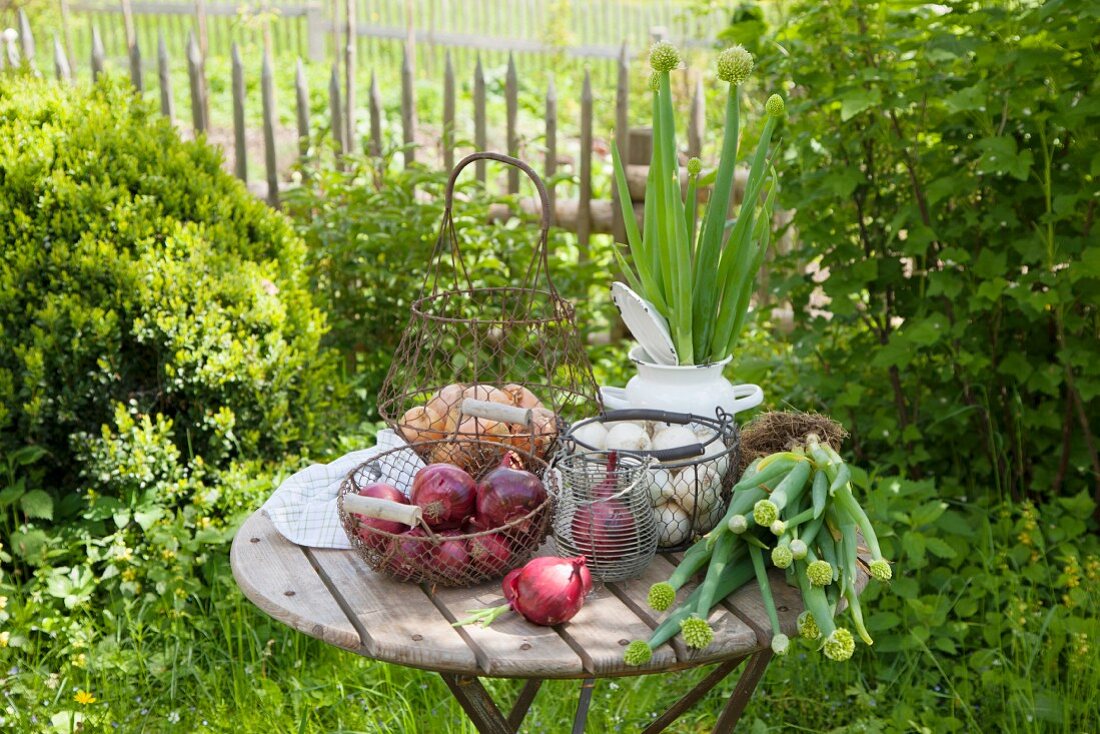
303	508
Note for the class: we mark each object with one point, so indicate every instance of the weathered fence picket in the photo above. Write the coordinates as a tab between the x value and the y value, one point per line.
26	40
267	88
375	118
167	104
622	109
198	85
240	157
98	55
480	136
448	136
511	104
301	93
408	105
61	64
584	204
336	114
351	137
552	146
136	77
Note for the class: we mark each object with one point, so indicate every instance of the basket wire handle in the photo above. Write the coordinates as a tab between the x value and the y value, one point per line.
447	232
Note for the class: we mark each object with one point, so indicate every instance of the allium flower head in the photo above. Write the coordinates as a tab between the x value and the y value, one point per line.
654	81
820	573
734	65
781	644
840	645
781	556
697	633
774	106
807	626
765	513
661	596
637	653
880	570
694	166
663	56
778	527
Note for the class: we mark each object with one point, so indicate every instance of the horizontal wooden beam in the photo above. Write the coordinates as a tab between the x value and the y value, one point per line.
181	8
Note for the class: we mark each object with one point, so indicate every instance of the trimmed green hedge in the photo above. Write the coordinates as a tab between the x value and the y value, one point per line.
135	271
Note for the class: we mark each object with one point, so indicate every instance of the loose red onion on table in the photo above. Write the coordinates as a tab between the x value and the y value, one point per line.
445	493
546	591
383	491
507	493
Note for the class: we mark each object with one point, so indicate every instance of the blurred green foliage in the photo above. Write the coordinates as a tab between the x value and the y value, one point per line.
942	161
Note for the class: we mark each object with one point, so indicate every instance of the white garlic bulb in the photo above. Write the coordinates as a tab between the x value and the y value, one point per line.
593	435
674	437
673	524
628	437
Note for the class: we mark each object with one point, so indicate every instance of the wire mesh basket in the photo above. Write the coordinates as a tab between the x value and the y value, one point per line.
603	512
688	485
515	345
395	538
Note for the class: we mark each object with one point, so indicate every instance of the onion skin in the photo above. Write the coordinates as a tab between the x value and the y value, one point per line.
451	557
409	555
490	553
445	493
505	494
420	424
368	536
604	529
522	397
549	591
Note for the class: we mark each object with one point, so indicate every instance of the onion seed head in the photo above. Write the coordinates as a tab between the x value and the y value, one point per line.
694	166
637	653
663	56
775	106
807	626
781	644
738	524
782	556
734	65
654	81
799	549
880	570
765	513
819	573
697	633
661	596
840	645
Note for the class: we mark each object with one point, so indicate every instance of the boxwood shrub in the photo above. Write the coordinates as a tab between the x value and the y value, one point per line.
135	271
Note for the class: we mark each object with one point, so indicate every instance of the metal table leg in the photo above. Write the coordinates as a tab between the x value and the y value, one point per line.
583	702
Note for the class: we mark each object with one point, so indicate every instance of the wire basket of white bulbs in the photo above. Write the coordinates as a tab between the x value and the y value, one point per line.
695	463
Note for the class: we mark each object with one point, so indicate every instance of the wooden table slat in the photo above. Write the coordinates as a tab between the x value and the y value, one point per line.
511	646
398	622
276	576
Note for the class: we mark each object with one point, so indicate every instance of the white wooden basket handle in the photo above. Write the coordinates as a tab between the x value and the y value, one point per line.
381	509
495	411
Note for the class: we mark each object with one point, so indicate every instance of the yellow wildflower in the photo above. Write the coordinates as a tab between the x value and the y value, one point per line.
80	660
4	638
3	603
84	698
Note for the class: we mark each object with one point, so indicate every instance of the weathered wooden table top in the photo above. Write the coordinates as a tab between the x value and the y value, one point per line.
334	596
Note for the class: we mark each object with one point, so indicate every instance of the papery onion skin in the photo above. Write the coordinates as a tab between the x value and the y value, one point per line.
604	530
491	553
505	494
445	493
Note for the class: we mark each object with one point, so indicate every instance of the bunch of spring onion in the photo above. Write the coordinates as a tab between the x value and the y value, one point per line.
699	273
794	510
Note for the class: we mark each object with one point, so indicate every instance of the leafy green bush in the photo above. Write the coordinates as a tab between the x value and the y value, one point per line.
943	164
135	271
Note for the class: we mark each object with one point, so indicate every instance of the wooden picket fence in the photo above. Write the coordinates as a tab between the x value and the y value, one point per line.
583	214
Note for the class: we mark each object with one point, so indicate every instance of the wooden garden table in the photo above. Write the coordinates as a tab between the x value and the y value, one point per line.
334	596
